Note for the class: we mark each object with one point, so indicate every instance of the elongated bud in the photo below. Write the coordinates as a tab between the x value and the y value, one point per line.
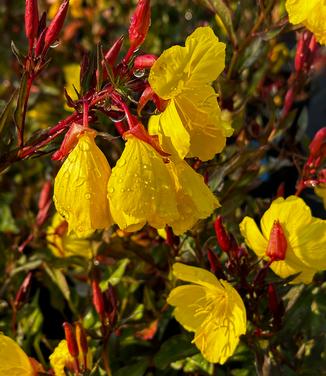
275	305
40	42
71	340
288	101
214	262
111	305
98	300
23	290
31	21
82	342
45	195
223	238
56	25
139	23
277	244
144	61
319	140
111	56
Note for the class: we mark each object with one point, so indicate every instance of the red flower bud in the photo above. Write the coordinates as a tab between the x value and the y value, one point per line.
71	339
214	262
111	305
69	142
223	238
139	24
288	101
56	25
144	61
111	56
318	142
45	195
98	300
23	290
277	244
31	21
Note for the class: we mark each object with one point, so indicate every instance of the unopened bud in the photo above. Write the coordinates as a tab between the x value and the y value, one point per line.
23	290
214	262
31	21
318	142
139	23
111	305
56	25
288	101
71	340
277	244
82	342
144	61
98	300
111	56
223	238
275	305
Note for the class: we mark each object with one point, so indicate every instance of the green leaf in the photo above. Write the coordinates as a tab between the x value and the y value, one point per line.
59	279
175	348
18	114
225	15
116	276
4	117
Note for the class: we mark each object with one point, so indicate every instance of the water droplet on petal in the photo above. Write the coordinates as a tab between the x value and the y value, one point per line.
111	190
121	162
139	73
88	196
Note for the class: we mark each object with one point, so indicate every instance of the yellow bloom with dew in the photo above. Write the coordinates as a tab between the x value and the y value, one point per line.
210	308
61	359
13	360
312	14
183	76
80	187
63	245
305	238
140	189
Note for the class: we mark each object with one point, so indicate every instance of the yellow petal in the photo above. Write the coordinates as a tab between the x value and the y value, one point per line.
63	245
80	188
311	13
300	10
195	275
287	268
140	188
186	300
173	129
218	336
13	360
253	237
195	200
198	63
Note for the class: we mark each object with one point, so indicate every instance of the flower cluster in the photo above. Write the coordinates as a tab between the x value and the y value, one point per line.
152	183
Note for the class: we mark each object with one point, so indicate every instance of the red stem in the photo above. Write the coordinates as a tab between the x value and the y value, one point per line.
22	129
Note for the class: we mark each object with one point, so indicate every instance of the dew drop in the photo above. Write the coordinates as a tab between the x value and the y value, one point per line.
111	190
55	44
121	162
145	166
119	117
88	196
120	180
139	73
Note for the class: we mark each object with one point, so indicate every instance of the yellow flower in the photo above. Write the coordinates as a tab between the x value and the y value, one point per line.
80	187
183	75
305	238
13	360
210	308
312	14
140	188
320	191
61	359
63	245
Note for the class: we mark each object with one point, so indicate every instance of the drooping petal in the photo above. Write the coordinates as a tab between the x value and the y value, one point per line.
186	300
13	360
300	10
195	200
253	237
80	188
140	188
195	275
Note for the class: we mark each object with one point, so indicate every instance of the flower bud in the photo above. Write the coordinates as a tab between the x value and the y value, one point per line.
31	21
111	56
56	24
288	101
144	61
277	244
23	290
316	145
82	342
111	305
98	300
139	23
275	305
223	238
71	339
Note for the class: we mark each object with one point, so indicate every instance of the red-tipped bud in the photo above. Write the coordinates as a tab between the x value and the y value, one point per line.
98	300
144	61
82	342
223	238
71	339
316	145
139	23
111	56
56	24
214	262
288	101
277	243
44	203
31	21
23	290
69	142
111	305
275	305
146	96
280	190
